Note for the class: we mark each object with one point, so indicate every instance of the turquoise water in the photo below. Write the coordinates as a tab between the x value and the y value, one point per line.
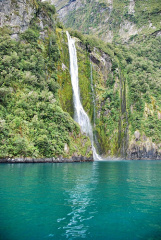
100	200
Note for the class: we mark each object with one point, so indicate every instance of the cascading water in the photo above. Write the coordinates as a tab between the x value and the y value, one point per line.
80	116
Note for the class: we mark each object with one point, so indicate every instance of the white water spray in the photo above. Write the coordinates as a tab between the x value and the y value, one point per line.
80	116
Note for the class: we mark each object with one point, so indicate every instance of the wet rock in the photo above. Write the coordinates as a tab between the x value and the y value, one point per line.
47	160
146	149
66	148
137	135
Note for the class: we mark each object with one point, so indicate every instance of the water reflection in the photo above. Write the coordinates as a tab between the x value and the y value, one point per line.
100	200
82	204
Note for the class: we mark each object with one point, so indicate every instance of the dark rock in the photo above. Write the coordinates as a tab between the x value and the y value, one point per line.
47	160
137	152
3	160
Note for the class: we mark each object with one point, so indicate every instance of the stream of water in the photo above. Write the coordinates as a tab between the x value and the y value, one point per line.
80	116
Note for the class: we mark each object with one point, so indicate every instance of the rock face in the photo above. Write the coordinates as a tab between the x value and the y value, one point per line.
127	29
142	147
72	13
47	160
132	145
70	6
16	14
103	62
131	8
108	19
145	150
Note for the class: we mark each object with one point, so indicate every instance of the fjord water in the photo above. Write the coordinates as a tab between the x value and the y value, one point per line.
99	200
80	116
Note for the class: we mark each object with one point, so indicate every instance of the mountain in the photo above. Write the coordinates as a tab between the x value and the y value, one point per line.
127	94
32	122
129	123
111	20
119	87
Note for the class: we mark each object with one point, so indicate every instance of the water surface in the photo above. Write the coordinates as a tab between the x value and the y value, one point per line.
100	200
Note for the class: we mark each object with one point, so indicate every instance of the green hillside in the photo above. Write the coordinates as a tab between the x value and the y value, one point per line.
111	20
119	87
32	122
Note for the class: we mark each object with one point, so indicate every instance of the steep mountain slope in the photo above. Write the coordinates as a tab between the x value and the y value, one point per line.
129	123
126	114
119	86
32	122
111	20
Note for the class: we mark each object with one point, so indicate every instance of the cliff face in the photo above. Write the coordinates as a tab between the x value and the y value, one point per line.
111	20
16	14
101	89
142	147
126	117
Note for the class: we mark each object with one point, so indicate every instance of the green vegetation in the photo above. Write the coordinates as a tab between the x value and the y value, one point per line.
89	15
115	20
84	72
36	102
144	74
63	73
129	99
32	122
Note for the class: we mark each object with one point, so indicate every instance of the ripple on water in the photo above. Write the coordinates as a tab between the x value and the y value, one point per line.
100	200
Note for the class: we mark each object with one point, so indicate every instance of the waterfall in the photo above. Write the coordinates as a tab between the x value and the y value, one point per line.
80	116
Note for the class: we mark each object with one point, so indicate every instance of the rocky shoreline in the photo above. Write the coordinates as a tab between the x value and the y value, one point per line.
47	160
